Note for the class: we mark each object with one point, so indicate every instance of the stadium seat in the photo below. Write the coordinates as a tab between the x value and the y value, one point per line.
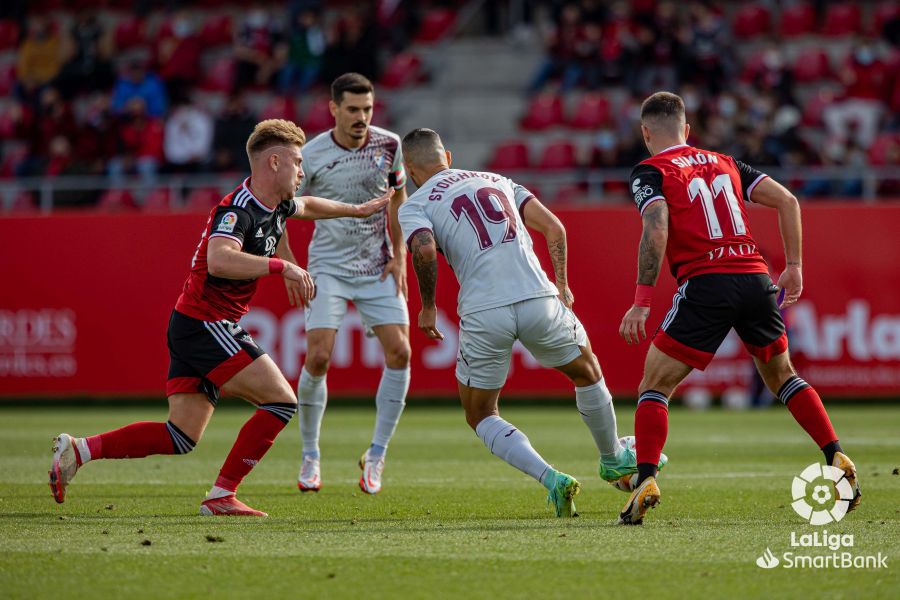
202	199
750	21
797	19
436	24
510	156
815	106
129	33
116	201
220	76
7	78
841	19
318	117
23	202
591	112
885	150
9	34
158	200
811	64
558	156
572	193
217	30
380	114
280	107
402	70
881	14
546	110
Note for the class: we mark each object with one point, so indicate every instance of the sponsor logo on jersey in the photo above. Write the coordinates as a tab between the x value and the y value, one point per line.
227	223
271	242
640	193
259	233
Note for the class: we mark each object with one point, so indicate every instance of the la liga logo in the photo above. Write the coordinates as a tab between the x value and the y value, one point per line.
821	494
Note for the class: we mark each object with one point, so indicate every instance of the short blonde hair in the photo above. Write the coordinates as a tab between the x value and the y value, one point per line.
274	132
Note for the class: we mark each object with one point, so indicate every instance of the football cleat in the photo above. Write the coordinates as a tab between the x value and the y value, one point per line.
64	467
621	471
645	496
562	495
309	479
228	506
843	462
372	468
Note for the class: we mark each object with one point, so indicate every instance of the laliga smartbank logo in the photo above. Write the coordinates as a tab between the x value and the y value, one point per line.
821	496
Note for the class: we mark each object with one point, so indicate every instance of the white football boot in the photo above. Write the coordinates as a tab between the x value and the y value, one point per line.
372	468
64	466
310	479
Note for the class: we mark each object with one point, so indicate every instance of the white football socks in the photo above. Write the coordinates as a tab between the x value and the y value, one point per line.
595	405
312	393
389	403
507	442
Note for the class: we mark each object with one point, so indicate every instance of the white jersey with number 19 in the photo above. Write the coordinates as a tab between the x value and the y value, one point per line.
476	219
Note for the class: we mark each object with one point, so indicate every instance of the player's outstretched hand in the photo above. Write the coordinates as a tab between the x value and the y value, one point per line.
565	296
791	281
397	267
428	323
295	297
367	209
304	280
633	324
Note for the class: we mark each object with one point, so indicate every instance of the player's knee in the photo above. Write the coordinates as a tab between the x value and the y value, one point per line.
183	442
590	372
317	362
397	356
474	416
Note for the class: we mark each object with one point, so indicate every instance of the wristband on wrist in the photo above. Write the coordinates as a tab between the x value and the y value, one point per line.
642	295
276	266
793	263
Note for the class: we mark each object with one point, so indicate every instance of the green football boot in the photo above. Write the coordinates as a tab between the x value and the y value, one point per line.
619	471
562	494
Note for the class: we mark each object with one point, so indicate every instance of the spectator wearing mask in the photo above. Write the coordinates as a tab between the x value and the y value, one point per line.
866	80
140	143
258	49
306	48
178	54
88	67
231	130
39	59
187	140
137	82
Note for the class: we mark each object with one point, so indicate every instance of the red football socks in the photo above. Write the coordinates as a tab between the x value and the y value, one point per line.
806	406
132	441
651	427
254	440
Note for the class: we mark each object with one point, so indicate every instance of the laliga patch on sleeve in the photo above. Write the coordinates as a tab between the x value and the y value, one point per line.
227	223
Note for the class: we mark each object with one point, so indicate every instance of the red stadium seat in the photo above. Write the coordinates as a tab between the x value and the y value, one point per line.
116	201
402	70
811	64
750	21
436	24
280	107
885	150
9	34
572	193
218	30
510	156
842	19
7	78
815	106
220	76
24	202
158	200
558	156
591	112
546	110
882	14
202	199
318	118
130	32
797	19
380	114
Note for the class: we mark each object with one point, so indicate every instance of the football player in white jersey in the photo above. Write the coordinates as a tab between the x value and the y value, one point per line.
478	220
356	262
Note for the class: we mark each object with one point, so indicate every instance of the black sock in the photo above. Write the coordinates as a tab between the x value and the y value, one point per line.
645	470
829	449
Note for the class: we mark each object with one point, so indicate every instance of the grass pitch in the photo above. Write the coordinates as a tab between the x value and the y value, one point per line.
452	521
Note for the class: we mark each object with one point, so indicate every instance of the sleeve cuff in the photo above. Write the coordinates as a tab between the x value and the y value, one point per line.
413	234
230	237
522	206
651	201
753	185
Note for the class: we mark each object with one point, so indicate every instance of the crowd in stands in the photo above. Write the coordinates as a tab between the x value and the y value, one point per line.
772	83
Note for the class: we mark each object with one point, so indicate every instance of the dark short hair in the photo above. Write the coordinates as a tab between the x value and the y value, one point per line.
422	146
353	83
663	105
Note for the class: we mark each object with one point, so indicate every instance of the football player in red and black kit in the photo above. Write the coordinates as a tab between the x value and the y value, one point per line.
692	208
208	350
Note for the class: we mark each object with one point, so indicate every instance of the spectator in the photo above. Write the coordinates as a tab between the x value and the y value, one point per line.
774	74
98	139
353	48
257	50
306	48
39	59
137	82
88	66
560	48
53	118
231	131
140	143
178	55
865	78
709	62
188	139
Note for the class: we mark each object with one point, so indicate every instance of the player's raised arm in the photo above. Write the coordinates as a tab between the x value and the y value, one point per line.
769	192
424	257
651	252
538	217
312	208
224	259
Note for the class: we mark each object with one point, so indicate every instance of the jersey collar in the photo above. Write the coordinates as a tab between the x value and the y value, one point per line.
343	147
255	199
673	147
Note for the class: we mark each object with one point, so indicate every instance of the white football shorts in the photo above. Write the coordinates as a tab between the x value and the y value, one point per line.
376	301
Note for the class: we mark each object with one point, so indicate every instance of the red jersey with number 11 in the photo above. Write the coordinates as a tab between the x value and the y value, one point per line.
705	191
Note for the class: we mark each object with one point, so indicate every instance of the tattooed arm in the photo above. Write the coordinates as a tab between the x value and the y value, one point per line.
424	258
651	252
539	218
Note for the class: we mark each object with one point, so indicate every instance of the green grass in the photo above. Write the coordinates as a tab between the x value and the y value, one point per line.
452	521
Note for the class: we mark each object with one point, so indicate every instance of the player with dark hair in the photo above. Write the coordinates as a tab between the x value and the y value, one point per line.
354	261
692	206
208	350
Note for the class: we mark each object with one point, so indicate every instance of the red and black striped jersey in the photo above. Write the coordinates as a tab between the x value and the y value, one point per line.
241	217
705	192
